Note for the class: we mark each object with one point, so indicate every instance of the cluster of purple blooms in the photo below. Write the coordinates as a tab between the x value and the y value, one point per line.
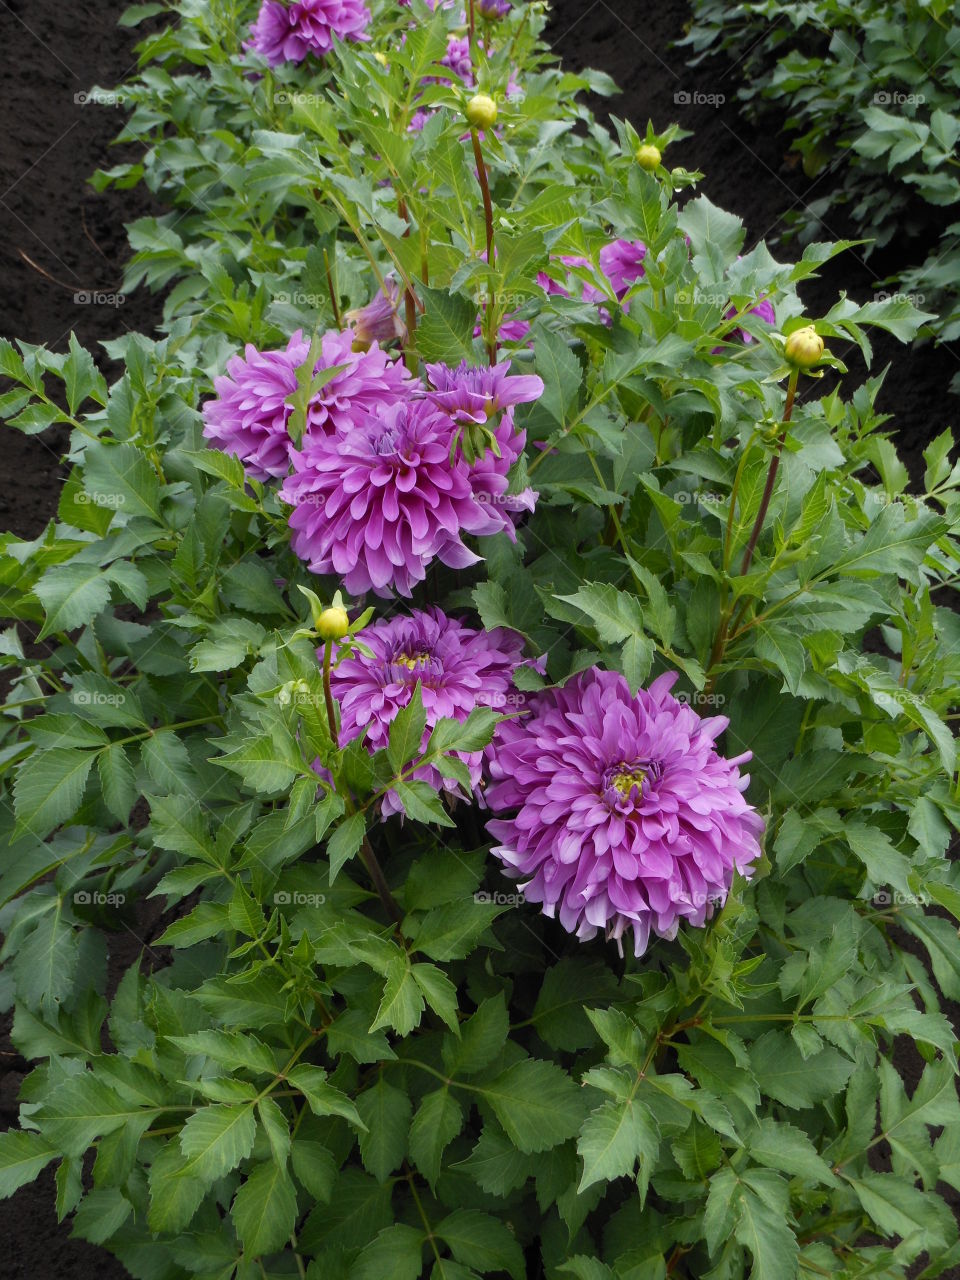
291	32
619	812
379	486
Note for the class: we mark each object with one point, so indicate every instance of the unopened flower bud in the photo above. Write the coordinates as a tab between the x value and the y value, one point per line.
333	623
482	111
804	347
648	156
381	58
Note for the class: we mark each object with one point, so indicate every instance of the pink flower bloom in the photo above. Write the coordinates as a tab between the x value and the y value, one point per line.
493	9
458	669
476	395
621	262
625	814
290	32
763	309
250	415
378	503
379	321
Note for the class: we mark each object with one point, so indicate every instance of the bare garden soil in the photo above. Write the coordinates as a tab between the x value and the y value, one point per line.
61	244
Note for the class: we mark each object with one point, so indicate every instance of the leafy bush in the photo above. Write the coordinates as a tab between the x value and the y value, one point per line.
355	1050
869	93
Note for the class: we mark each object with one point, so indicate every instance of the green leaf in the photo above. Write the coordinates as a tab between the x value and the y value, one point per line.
23	1155
120	476
314	1167
395	1254
385	1110
899	1209
402	1003
782	1146
421	803
537	1103
784	1074
613	1138
264	1210
345	842
439	992
82	1109
436	1124
478	1240
175	1195
81	378
445	330
323	1098
769	1238
215	1139
72	595
406	733
118	781
49	788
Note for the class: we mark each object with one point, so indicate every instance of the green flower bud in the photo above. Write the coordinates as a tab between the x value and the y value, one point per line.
482	111
333	623
804	347
648	156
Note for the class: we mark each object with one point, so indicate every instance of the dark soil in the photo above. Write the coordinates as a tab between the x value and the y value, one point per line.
58	239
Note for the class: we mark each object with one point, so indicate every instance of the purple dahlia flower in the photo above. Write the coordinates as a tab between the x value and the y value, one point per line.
250	415
621	262
289	32
626	816
475	395
457	667
378	503
763	309
494	9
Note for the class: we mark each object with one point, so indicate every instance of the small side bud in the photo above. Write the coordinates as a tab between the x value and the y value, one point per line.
648	156
804	347
482	111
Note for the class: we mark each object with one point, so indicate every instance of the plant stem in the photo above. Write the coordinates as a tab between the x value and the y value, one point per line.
720	643
771	474
328	694
488	220
375	872
333	293
409	303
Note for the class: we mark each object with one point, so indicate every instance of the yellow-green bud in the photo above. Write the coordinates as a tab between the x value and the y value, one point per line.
333	623
482	111
804	347
648	156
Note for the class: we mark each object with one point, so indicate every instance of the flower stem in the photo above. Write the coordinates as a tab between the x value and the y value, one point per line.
488	220
409	303
328	694
333	293
771	474
375	872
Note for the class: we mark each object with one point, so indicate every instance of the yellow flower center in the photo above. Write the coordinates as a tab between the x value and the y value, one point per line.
410	660
626	778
